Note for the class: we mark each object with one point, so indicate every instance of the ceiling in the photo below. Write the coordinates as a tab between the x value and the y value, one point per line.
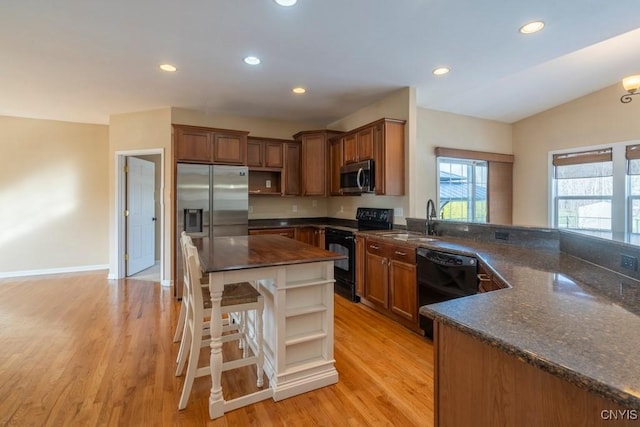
85	60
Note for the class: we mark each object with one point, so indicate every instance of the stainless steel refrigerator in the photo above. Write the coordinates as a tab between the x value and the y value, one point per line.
212	200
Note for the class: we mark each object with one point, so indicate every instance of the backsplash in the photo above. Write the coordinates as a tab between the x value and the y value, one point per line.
609	254
530	237
267	207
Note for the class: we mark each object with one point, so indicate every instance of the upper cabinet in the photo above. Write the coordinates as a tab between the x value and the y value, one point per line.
388	156
207	145
314	161
358	145
334	163
383	142
265	153
292	175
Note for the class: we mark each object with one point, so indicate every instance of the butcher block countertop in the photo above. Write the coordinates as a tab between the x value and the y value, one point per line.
240	252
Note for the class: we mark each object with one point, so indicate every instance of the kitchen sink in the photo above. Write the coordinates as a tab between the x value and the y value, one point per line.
422	239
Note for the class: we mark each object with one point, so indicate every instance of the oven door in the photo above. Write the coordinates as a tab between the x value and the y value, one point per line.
344	271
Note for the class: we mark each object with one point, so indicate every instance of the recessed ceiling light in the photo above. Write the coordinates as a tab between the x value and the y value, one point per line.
441	71
286	2
168	67
532	27
252	60
299	90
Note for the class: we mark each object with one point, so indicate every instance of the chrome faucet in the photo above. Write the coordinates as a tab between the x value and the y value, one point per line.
431	215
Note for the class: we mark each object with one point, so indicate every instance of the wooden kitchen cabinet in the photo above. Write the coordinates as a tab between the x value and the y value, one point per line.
292	173
192	145
390	285
388	156
358	145
265	153
282	231
334	163
314	161
208	145
311	235
403	286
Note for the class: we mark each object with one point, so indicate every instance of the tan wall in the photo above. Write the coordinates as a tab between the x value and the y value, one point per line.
439	129
53	195
598	118
134	132
398	105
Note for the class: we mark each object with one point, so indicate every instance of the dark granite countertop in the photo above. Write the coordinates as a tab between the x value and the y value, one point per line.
566	316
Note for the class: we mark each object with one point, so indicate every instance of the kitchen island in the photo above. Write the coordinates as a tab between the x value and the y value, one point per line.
296	281
557	348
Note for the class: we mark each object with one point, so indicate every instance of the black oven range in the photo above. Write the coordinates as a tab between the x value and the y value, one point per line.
342	241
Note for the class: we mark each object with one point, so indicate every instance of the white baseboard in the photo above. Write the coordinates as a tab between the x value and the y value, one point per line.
45	271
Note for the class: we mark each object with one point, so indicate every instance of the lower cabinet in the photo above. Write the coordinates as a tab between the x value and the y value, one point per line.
311	235
390	285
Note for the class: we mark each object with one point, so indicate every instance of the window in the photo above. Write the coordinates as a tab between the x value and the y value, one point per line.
633	185
474	186
462	192
583	190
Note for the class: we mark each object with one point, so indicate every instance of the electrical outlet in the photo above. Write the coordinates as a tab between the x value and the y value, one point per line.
250	209
398	212
501	235
267	183
629	262
294	208
341	209
314	203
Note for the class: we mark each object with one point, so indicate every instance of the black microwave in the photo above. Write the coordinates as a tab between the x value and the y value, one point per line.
358	177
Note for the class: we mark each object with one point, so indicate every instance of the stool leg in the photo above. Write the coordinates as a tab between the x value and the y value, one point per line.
260	355
242	342
187	338
181	317
192	367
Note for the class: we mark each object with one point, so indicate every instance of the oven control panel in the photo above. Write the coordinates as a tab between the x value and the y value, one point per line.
375	214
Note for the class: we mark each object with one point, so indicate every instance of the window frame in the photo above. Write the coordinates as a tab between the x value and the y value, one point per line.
471	202
620	205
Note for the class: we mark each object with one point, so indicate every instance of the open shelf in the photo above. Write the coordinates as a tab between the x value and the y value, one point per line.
300	311
302	338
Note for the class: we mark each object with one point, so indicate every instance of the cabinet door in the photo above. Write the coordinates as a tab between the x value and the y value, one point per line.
306	235
313	165
334	164
376	288
255	154
193	145
403	290
273	155
350	147
365	144
292	177
229	149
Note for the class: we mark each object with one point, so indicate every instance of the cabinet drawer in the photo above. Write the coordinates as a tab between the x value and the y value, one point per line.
379	248
403	254
286	232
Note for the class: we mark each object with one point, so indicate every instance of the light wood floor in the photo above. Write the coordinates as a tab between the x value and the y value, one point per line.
80	350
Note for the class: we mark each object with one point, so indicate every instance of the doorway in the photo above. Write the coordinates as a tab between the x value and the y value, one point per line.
122	245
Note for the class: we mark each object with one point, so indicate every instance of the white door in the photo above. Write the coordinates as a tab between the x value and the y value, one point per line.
141	218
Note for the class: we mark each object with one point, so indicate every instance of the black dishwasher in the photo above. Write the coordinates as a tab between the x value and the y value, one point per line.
443	276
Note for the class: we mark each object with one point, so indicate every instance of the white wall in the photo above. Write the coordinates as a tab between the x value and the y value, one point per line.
595	119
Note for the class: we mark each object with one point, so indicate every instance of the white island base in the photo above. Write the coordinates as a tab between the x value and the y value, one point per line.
298	330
